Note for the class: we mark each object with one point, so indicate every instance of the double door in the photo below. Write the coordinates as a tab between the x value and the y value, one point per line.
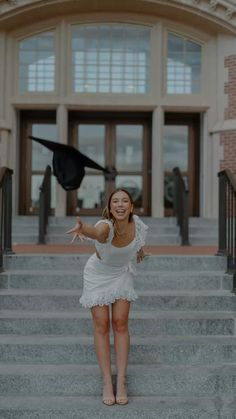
120	141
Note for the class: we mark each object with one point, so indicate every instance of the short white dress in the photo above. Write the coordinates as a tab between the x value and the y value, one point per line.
111	277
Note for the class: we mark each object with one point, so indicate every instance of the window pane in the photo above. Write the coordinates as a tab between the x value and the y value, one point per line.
183	66
114	50
37	63
175	147
129	147
134	185
42	156
91	193
36	182
91	142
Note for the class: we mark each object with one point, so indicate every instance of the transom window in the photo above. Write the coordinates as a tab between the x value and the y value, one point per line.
37	63
111	58
183	65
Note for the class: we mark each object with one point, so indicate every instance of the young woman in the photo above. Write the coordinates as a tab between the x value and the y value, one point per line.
108	279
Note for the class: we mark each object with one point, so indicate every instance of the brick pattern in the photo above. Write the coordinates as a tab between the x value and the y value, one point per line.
230	87
228	141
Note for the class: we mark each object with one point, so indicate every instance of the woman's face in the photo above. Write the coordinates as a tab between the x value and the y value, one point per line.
120	206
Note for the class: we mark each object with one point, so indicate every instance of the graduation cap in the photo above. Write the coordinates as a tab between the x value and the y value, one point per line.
69	163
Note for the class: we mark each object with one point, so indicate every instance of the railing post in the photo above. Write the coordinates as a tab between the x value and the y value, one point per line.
44	205
41	239
185	227
7	234
222	217
181	206
1	230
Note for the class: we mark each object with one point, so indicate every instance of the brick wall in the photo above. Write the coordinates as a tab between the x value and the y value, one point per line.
228	139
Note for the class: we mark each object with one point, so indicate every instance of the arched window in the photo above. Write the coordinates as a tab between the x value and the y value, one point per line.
111	58
37	63
183	65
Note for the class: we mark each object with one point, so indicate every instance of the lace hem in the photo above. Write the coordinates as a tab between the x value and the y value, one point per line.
91	301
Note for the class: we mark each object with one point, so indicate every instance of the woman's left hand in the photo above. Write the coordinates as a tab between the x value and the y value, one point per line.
140	255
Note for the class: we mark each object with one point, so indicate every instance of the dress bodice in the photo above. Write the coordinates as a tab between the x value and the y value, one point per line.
121	256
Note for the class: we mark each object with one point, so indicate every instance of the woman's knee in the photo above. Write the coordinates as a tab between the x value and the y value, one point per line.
120	325
101	324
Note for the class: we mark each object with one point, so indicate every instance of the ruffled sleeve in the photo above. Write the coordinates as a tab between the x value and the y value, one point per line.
141	232
111	231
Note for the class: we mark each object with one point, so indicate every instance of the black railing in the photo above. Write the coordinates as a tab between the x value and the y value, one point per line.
227	221
5	213
44	205
181	206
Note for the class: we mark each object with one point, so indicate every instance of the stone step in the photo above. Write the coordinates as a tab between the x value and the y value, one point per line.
203	241
85	380
63	239
45	407
140	323
68	300
56	279
70	220
171	350
152	239
154	262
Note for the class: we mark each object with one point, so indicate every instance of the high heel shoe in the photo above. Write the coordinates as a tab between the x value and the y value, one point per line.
122	399
108	400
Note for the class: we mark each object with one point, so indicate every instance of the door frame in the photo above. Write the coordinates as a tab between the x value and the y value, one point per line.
193	122
111	119
27	119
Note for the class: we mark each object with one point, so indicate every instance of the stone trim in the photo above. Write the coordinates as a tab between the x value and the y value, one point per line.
223	11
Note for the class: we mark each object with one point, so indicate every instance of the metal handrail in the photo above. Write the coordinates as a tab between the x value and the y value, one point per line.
5	212
44	205
227	221
181	206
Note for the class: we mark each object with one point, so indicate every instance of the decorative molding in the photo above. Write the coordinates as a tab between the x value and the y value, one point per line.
213	4
229	13
222	11
224	126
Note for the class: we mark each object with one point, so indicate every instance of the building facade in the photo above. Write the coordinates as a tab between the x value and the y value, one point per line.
140	85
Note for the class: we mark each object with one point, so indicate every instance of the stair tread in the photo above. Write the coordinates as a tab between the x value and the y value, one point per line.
136	340
156	293
134	314
135	369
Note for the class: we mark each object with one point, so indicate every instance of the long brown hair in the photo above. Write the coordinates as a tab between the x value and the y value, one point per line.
107	210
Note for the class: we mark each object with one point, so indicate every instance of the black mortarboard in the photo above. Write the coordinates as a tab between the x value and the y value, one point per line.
68	163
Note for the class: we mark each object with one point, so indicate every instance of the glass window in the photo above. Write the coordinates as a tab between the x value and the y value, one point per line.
183	66
37	63
111	58
129	147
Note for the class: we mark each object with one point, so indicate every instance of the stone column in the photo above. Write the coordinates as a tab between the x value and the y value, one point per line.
62	126
157	163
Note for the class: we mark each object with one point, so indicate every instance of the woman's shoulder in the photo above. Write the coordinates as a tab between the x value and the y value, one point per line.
141	231
105	221
139	223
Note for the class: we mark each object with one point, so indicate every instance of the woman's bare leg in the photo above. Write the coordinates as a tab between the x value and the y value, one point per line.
101	322
120	316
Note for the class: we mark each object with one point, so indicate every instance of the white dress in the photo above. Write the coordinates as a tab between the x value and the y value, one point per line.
111	277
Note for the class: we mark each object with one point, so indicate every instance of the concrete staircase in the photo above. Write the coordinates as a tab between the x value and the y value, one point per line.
163	231
182	362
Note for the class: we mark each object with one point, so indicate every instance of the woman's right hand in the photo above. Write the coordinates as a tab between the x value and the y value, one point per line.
77	230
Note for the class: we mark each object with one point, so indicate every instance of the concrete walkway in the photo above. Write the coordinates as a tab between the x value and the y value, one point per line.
155	250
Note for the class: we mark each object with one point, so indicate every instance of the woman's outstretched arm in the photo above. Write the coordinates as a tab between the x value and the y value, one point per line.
82	230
